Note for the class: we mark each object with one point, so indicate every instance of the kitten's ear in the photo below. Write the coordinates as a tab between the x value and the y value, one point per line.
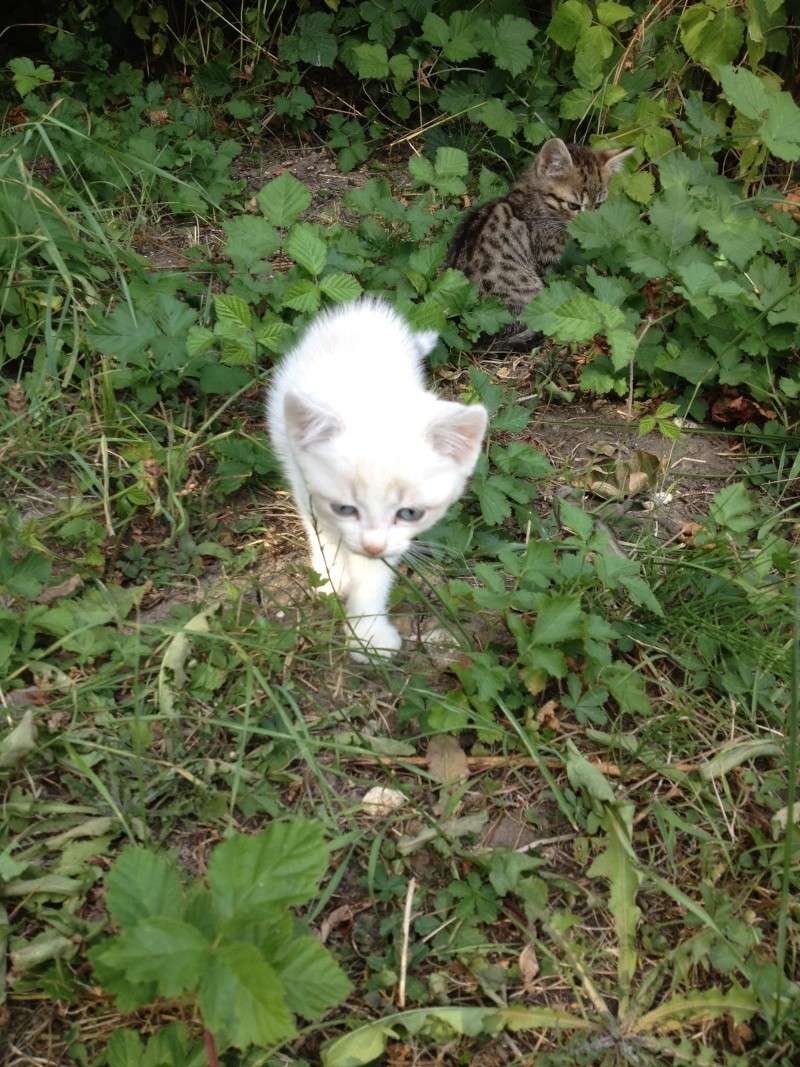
554	160
458	432
425	340
611	159
307	424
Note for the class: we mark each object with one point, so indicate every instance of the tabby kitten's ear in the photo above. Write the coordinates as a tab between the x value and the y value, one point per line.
554	160
611	159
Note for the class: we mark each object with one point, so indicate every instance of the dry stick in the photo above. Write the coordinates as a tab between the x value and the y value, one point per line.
401	991
106	480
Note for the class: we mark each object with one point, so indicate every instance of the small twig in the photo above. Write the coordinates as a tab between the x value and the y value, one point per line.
401	990
106	490
211	1049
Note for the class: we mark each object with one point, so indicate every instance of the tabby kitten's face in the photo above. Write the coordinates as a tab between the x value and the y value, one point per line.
571	179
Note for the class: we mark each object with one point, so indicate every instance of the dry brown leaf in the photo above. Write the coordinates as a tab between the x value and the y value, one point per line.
65	588
689	530
338	917
382	801
528	967
158	117
447	761
546	715
637	482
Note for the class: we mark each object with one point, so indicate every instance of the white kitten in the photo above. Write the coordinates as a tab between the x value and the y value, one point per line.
372	457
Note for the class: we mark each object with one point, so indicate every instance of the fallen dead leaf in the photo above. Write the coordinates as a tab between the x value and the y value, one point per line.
528	967
689	530
65	588
447	761
546	715
338	917
382	801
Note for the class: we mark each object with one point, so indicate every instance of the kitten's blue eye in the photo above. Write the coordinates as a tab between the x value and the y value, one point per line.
345	511
410	514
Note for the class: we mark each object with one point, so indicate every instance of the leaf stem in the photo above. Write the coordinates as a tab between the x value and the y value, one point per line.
211	1049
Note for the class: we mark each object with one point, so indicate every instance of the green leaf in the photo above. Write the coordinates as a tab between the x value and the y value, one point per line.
451	163
559	618
575	519
28	76
584	775
508	43
340	287
199	340
242	997
401	68
735	754
422	170
498	117
495	506
313	980
283	199
593	48
170	953
251	241
142	885
372	61
280	866
564	312
302	295
610	13
569	23
732	508
217	379
18	742
776	113
307	248
273	334
638	185
234	311
701	1006
616	863
25	577
367	1043
314	42
623	347
711	35
435	30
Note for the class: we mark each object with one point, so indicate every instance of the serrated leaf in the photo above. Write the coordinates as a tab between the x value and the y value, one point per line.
241	996
302	295
283	199
372	61
313	40
638	185
498	117
575	519
569	23
24	577
273	334
584	775
251	241
594	46
401	69
616	864
313	981
732	508
451	163
711	35
558	618
508	43
623	347
142	885
564	312
170	953
422	170
340	287
233	310
280	866
199	340
307	248
610	13
737	1003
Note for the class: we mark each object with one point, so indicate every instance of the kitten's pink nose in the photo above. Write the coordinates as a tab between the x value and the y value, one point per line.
373	544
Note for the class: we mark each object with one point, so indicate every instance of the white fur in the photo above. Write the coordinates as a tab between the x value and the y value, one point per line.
352	422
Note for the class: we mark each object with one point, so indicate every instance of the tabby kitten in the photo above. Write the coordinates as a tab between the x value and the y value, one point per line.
508	245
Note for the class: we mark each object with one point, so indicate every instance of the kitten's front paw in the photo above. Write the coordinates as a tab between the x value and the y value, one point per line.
373	636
